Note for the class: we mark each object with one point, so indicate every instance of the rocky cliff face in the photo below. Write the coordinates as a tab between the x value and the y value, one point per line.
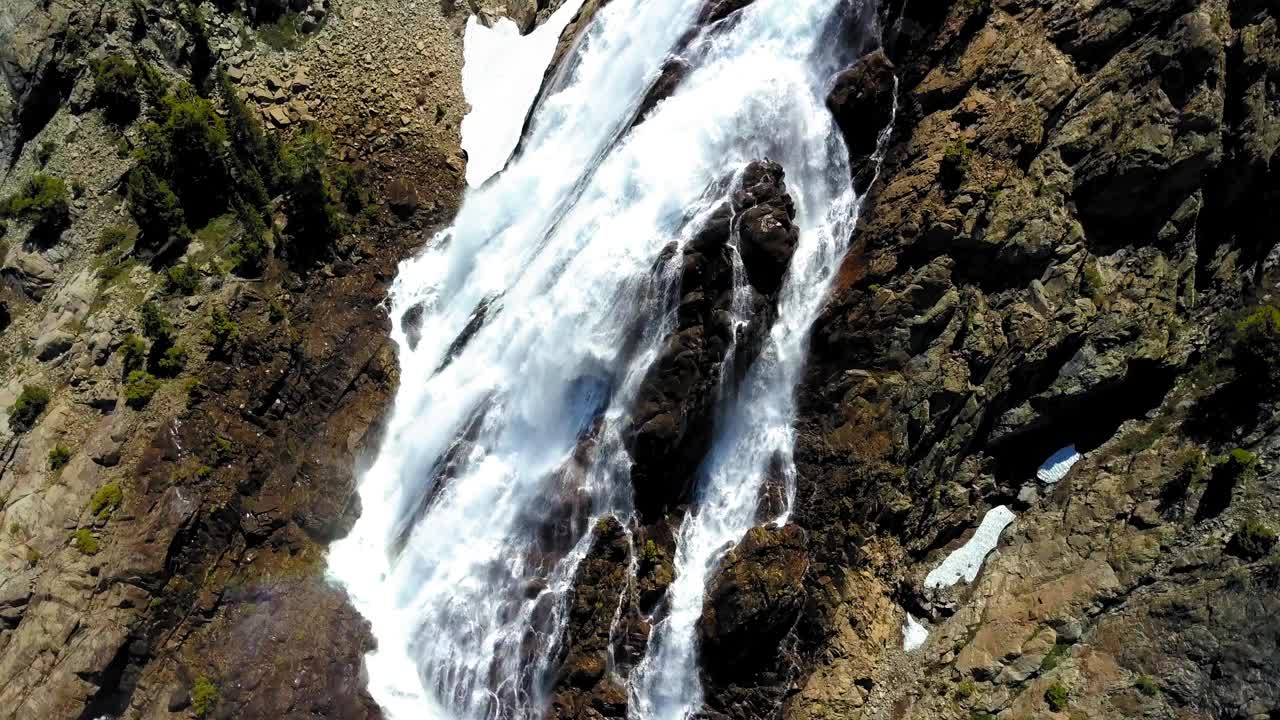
1053	254
162	551
1067	243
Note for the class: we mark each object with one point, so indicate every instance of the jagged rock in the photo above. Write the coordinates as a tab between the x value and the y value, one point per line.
165	520
862	102
672	74
669	430
402	196
52	345
768	236
752	601
32	273
714	11
600	590
411	321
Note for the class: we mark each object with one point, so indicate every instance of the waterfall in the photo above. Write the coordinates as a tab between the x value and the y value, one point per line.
526	329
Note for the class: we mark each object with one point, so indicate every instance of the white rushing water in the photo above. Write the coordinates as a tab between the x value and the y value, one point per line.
539	313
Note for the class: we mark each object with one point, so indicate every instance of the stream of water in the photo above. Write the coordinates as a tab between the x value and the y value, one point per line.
526	328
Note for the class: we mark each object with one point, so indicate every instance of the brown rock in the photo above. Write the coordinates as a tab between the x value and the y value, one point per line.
752	601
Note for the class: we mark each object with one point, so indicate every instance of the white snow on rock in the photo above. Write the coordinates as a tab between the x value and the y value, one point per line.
913	634
966	561
1056	467
501	73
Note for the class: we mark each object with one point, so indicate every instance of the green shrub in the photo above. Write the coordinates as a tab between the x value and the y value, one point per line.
1257	350
156	324
185	143
223	332
171	362
156	209
276	311
84	541
133	352
106	500
153	84
113	237
204	696
1055	656
43	201
352	188
1190	469
314	209
1094	284
59	456
249	253
139	388
1056	697
1252	539
256	154
182	279
221	452
285	33
1237	465
957	158
966	690
115	88
1147	685
33	556
45	152
27	408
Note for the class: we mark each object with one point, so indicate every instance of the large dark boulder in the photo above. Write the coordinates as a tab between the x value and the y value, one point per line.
584	688
861	99
753	601
713	11
673	72
670	426
767	235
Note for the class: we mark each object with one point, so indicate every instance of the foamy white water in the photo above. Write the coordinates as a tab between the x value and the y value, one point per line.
539	313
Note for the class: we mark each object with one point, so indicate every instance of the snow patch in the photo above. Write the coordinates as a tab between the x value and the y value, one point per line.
1056	467
966	561
913	634
502	71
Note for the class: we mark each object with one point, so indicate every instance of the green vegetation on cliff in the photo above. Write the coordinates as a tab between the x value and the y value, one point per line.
27	408
59	456
84	541
115	88
43	201
204	696
1253	539
139	388
1056	697
106	500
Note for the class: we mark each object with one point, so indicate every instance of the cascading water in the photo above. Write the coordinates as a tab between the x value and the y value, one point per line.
526	329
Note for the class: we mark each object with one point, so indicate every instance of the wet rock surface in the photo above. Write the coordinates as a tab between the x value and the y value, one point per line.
862	100
670	428
605	634
752	601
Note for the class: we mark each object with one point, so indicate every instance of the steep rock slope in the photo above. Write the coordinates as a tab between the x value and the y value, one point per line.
1059	250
